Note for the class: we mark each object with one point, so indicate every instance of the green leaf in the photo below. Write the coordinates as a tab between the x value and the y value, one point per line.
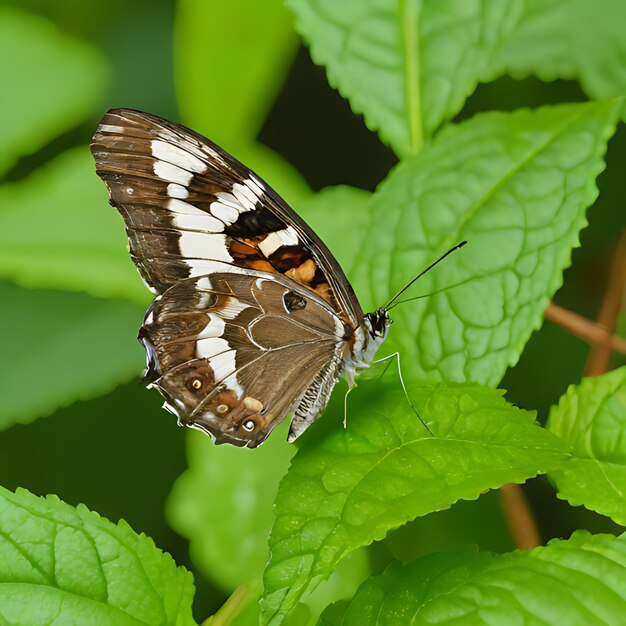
579	582
342	584
225	483
65	565
516	187
591	418
54	86
272	168
244	67
407	65
59	347
351	487
567	39
222	484
231	59
340	216
57	230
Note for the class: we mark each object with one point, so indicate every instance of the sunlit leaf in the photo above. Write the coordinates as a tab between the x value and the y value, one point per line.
57	230
351	487
50	83
578	582
65	565
591	418
569	39
407	65
60	347
516	187
230	61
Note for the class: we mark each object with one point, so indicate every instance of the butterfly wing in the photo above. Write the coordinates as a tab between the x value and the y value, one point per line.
233	354
192	209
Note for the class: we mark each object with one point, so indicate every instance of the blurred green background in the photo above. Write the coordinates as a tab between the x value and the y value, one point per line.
110	445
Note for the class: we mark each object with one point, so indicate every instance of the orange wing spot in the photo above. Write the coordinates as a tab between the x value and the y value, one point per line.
263	266
323	290
304	273
197	376
224	402
247	254
243	248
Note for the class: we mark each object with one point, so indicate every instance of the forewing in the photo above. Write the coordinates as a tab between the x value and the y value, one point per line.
233	354
192	209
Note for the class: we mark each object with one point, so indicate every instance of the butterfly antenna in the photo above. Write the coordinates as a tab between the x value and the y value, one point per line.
427	295
393	302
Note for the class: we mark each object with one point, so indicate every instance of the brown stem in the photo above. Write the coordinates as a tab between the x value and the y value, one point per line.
599	357
590	332
519	517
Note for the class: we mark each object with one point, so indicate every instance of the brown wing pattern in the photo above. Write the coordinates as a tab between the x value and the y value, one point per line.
233	354
191	209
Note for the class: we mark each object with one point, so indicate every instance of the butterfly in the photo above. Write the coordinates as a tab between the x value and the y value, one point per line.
253	318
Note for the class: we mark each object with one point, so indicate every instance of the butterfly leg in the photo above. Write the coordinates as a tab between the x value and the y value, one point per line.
386	367
345	406
396	355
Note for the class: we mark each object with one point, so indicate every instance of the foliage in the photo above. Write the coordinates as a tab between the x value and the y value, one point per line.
590	418
350	488
565	39
231	554
71	74
68	565
516	185
578	582
522	182
234	119
80	247
407	66
78	320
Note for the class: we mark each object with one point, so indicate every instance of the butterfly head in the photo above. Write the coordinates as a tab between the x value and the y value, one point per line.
378	322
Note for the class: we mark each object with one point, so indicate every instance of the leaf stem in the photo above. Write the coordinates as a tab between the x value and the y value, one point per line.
234	605
519	517
598	361
409	26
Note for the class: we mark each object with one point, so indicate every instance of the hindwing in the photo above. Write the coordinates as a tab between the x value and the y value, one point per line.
233	354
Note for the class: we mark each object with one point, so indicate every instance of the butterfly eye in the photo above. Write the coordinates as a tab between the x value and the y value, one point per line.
249	425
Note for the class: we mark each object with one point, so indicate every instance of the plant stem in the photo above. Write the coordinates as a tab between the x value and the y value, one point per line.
409	11
519	517
589	331
599	357
234	605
